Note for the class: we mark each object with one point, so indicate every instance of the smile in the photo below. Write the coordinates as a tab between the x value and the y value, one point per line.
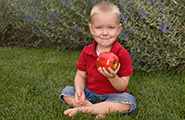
105	38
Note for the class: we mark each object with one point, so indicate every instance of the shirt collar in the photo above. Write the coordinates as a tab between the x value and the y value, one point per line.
91	49
116	47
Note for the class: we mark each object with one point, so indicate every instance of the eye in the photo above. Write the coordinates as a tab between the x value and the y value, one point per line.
98	27
111	27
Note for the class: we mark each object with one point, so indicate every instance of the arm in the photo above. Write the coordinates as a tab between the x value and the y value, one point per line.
80	79
119	83
79	82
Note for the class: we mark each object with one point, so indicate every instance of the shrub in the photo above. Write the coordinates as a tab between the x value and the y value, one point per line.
13	30
153	31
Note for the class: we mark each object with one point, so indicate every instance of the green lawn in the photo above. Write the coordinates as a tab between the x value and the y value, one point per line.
32	79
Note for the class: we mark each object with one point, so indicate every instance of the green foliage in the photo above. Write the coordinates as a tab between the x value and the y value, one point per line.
32	80
153	31
7	22
159	36
13	30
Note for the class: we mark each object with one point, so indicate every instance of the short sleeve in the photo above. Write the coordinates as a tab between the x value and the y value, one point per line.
126	64
82	62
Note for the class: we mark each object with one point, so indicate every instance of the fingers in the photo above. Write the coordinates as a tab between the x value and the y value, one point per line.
80	98
109	74
103	71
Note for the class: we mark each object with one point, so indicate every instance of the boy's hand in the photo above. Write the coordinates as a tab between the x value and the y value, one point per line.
80	97
110	74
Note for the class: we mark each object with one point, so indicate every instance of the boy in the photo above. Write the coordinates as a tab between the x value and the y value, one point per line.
109	87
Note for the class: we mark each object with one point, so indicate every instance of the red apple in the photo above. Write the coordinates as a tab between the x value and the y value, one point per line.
106	60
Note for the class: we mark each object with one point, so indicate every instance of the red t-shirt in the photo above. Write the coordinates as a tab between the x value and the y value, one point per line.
96	82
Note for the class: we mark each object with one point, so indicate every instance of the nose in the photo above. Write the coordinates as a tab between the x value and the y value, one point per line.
105	32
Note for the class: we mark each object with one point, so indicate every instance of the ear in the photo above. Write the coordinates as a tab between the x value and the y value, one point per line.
119	28
90	28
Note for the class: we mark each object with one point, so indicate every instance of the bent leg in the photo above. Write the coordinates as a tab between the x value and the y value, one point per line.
68	97
71	101
101	108
122	103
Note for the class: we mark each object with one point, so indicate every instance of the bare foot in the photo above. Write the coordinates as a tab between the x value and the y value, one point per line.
89	103
100	116
71	112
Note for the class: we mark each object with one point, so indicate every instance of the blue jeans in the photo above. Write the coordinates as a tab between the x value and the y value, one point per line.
92	97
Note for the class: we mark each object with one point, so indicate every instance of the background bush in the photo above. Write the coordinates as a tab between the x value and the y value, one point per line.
153	31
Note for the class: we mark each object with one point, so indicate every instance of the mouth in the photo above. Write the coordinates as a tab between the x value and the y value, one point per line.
105	38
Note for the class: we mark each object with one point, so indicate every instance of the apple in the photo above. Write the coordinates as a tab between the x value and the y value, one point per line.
106	60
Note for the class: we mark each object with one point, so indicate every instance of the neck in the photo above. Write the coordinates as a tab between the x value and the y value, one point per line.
101	49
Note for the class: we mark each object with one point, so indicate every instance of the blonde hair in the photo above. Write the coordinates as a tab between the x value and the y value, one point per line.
105	7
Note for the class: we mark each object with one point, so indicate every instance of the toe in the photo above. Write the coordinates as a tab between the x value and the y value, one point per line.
66	112
100	116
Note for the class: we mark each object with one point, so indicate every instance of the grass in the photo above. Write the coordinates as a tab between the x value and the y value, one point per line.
32	79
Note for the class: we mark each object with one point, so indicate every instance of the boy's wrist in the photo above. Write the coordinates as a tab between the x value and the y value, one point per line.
78	89
112	77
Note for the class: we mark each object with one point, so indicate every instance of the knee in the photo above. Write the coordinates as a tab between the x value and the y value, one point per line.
127	107
67	92
68	100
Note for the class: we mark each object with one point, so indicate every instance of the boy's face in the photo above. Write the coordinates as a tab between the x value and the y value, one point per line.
105	28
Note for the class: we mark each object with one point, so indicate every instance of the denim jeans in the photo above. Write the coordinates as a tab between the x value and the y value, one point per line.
92	97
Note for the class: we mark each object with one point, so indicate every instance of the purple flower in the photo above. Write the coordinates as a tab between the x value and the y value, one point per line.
133	67
52	24
122	9
143	15
159	6
162	10
78	27
163	28
126	18
75	40
93	1
122	31
142	10
34	31
156	3
53	14
133	54
41	30
124	35
167	56
57	16
128	10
